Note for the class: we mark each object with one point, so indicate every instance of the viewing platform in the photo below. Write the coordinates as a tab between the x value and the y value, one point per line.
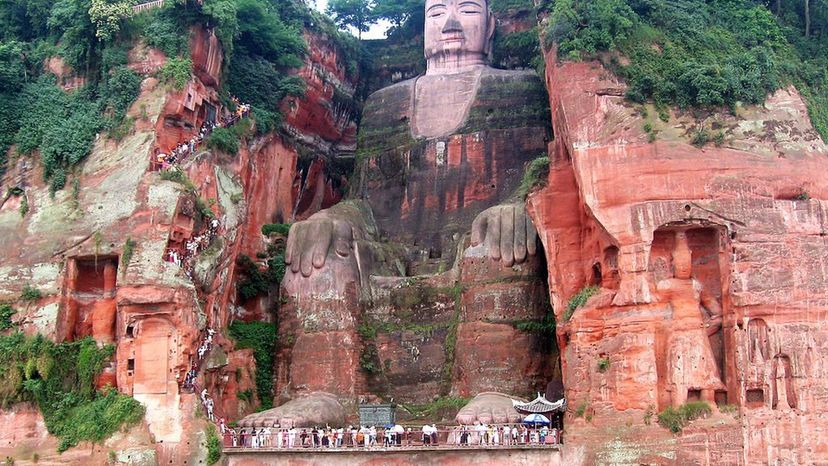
541	455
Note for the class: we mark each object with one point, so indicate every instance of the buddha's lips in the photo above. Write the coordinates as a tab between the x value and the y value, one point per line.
455	37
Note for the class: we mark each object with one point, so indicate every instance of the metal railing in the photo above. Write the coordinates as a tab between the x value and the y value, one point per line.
147	6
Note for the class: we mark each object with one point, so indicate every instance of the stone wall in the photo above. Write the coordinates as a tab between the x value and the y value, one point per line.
477	456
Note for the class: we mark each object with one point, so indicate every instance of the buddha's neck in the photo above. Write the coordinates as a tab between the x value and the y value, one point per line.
454	63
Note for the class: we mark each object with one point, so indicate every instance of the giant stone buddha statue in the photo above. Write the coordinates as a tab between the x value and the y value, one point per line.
434	207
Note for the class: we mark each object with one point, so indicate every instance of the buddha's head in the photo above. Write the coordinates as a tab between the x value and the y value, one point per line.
458	34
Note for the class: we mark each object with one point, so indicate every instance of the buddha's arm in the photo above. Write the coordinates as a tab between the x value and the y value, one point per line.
714	311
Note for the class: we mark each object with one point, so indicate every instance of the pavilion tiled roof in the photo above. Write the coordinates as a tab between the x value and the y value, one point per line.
540	405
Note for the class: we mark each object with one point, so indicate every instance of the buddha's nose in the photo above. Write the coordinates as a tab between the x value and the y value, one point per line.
452	25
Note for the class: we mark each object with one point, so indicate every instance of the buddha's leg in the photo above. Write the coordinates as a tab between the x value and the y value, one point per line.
501	343
318	342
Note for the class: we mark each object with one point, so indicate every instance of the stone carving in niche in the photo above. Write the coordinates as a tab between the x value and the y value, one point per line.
691	363
759	348
782	382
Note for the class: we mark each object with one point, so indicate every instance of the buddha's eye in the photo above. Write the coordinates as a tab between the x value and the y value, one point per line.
436	11
470	8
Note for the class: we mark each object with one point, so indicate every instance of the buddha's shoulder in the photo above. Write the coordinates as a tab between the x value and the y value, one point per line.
510	82
395	94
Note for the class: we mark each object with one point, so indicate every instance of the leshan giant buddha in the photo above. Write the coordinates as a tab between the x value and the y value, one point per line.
387	291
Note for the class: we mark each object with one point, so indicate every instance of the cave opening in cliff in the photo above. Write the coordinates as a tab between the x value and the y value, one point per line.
89	306
95	275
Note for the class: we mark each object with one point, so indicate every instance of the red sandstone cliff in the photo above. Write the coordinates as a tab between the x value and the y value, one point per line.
754	212
73	248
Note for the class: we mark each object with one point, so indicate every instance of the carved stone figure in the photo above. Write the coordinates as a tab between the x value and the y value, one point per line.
439	162
696	315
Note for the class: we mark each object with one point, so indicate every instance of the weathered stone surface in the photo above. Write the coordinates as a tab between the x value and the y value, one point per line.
489	408
311	410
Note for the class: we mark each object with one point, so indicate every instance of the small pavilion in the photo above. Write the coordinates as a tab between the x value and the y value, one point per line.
540	405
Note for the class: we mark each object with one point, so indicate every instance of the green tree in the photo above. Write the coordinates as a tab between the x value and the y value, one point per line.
358	14
69	20
398	12
107	16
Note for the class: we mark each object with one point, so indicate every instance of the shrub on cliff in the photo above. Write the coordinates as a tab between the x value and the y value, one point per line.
60	378
261	338
213	445
166	31
176	72
276	228
224	140
535	175
30	294
676	419
579	300
6	313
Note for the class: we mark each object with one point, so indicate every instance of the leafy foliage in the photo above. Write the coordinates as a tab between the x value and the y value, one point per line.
580	410
6	313
276	228
213	445
676	419
120	89
30	293
535	175
261	337
69	21
437	408
166	30
517	50
403	14
505	5
107	16
60	378
369	359
126	256
176	72
357	14
63	126
579	300
695	53
224	140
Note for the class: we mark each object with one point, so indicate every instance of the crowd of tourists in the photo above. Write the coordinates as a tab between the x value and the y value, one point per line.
478	435
165	161
203	350
185	258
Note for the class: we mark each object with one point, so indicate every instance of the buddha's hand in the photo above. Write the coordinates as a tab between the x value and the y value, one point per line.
310	242
507	233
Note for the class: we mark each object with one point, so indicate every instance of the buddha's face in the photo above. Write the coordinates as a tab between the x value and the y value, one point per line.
458	31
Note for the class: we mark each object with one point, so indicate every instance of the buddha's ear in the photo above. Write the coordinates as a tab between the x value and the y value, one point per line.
490	32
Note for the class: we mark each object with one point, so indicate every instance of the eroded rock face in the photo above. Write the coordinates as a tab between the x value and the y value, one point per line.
753	212
74	250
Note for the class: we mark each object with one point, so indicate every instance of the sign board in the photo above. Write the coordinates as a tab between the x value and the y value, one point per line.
377	415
